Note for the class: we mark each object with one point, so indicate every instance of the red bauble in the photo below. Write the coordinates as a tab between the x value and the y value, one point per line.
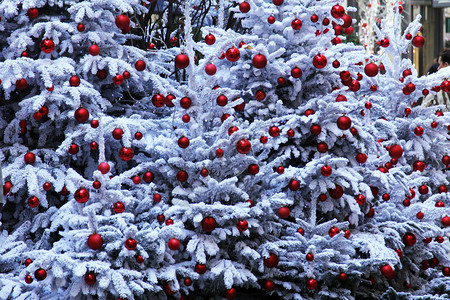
81	27
138	135
337	192
290	133
337	11
140	65
361	158
274	131
200	268
136	179
269	285
336	64
259	61
314	18
183	142
418	41
118	79
119	207
242	225
341	98
263	139
296	24
296	72
347	21
294	185
81	115
126	154
21	84
396	151
439	239
185	102
243	146
423	189
446	160
322	147
232	130
409	239
73	149
344	123
32	13
311	284
349	30
322	198
442	188
209	224
182	61
371	70
94	50
104	167
280	169
122	21
233	54
309	257
148	177
271	19
210	39
102	74
445	221
360	199
281	81
384	43
187	282
47	46
40	274
354	86
319	61
130	244
29	158
271	261
117	133
230	293
445	86
47	186
253	169
446	271
210	69
81	195
260	95
219	152
419	166
222	100
326	171
204	172
182	176
284	212
95	241
28	279
74	80
139	259
338	30
90	278
174	244
333	231
244	7
33	202
158	100
160	218
387	271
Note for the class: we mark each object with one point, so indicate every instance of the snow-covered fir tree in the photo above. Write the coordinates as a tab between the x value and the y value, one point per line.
270	158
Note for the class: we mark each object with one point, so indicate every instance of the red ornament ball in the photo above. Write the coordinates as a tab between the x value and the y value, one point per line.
445	221
74	80
81	115
174	244
126	154
118	79
259	61
90	278
371	70
242	225
294	185
418	41
95	241
253	169
230	293
244	7
182	176
182	61
102	74
296	72
117	133
311	284
130	244
337	11
47	186
104	167
347	21
326	171
361	158
122	21
296	24
419	166
322	147
271	19
94	50
210	39
40	274
354	86
32	13
138	135
185	102
260	95
271	261
243	146
140	65
47	46
209	224
344	122
274	131
396	151
319	61
233	53
387	271
204	172
337	192
210	69
183	142
200	268
158	100
73	149
148	177
269	285
33	202
81	195
219	152
409	239
28	279
119	207
284	212
29	158
81	27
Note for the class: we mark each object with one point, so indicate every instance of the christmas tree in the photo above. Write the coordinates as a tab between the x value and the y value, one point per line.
273	159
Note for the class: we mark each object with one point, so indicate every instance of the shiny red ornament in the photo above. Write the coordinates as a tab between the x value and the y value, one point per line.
219	152
74	80
126	154
182	61
294	185
384	43
311	284
33	202
73	149
158	100
296	72
119	207
81	195
442	188
136	179
244	7
333	231
337	192
94	50
90	278
210	39
253	169
284	212
209	224
259	61
309	257
200	268
104	167
222	100
187	282
371	69
40	274
281	81
396	151
388	271
271	19
47	46
322	198
269	285
95	241
319	61
419	166
296	24
326	171
130	244
322	147
182	176
183	142
338	30
408	36
118	79
409	239
29	157
204	172
418	41
360	199
148	177
301	231
274	131
174	244
354	86
117	133
361	158
28	279
230	293
242	225
423	189
347	21
81	27
102	74
210	69
47	186
290	133
122	21
243	146
344	122
32	13
260	95
336	64
280	169
337	11
271	261
445	221
233	54
157	199
185	102
263	139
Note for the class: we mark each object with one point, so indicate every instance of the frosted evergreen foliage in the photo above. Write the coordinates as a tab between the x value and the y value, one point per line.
265	218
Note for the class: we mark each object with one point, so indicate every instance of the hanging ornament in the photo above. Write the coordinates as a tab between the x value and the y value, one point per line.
185	102
174	244
253	169
242	225
118	79
140	65
94	50
360	199
260	95
40	274
73	149
210	39
418	41
233	54
319	61
117	133
119	207
243	146
222	100
32	13
81	195
259	61
396	151
28	279
126	154
182	61
219	153
371	69
314	18
47	46
104	167
33	202
296	24
347	21
95	241
130	244
271	261
284	212
158	100
269	285
337	192
183	142
122	21
333	231
204	172
354	86
419	166
311	284
326	170
387	271
209	224
322	147
294	185
182	176
74	80
418	131
445	221
409	239
244	7
274	131
337	11
29	157
271	19
200	268
361	158
344	122
296	72
81	27
210	69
